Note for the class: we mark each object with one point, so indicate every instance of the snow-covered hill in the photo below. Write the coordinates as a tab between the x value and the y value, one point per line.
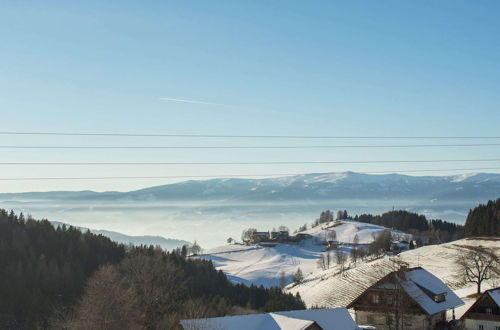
263	265
330	288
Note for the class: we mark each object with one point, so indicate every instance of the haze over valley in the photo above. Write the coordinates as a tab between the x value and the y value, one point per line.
210	211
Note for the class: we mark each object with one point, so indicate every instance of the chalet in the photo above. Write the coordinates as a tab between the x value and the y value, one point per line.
302	236
406	299
311	319
332	245
484	314
259	236
281	235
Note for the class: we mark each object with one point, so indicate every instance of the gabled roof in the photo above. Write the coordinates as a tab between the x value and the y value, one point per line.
420	285
418	280
494	294
331	319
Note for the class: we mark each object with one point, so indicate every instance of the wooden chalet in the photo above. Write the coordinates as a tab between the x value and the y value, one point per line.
406	299
484	314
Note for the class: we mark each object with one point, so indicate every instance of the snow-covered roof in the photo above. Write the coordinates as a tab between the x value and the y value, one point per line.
417	280
331	319
495	295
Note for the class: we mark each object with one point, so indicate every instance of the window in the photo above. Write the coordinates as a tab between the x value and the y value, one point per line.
375	299
480	327
439	298
489	310
497	327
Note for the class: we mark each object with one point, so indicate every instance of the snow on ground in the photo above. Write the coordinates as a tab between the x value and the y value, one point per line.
348	229
332	289
263	265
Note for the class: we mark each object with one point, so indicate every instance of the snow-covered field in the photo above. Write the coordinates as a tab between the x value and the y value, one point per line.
263	265
331	289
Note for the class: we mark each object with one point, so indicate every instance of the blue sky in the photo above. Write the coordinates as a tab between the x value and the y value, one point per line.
261	67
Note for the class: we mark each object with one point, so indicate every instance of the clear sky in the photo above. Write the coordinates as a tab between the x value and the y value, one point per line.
246	67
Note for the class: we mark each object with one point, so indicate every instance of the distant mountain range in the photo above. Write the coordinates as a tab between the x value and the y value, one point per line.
210	211
166	243
477	187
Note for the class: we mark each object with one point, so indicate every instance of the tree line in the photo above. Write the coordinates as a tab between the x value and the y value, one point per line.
436	230
484	220
68	279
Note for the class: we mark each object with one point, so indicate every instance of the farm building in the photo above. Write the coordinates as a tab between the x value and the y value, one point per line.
409	298
484	314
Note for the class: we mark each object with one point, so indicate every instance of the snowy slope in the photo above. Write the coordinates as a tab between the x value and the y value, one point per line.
348	229
263	265
332	289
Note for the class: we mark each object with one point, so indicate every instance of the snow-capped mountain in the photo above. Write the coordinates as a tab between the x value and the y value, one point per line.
198	209
472	186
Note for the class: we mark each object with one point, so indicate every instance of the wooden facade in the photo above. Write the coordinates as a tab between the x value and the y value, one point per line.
387	306
484	314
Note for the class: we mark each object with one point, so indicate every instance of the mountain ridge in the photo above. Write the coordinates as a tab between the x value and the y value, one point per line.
311	185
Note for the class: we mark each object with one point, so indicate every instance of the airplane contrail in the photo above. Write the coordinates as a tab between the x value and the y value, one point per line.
189	101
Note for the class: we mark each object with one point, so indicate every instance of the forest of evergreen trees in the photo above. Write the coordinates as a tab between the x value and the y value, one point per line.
484	220
63	278
413	223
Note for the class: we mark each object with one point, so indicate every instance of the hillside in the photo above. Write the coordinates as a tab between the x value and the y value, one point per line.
165	243
331	289
263	265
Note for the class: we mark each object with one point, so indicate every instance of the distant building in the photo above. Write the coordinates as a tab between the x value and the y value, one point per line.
332	245
311	319
414	298
302	236
399	246
281	235
484	314
260	236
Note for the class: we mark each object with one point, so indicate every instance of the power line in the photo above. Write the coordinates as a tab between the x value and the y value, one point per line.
252	147
240	136
244	163
232	175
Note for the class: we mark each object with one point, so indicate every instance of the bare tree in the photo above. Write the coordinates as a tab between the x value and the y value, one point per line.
328	260
107	303
476	264
355	255
332	235
396	301
282	279
298	277
341	259
322	261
